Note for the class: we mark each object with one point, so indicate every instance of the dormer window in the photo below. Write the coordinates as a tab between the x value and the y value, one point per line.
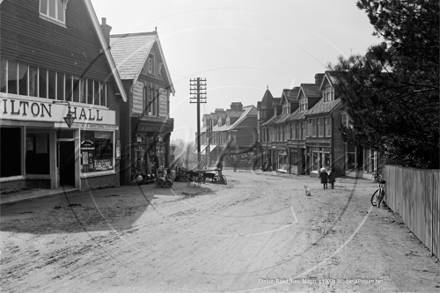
53	10
303	104
328	94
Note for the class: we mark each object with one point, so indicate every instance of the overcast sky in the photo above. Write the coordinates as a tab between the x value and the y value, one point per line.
241	46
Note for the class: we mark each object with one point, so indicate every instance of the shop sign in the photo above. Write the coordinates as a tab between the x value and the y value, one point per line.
138	98
33	110
163	103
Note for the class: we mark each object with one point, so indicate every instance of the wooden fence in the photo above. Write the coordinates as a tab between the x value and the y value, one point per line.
415	195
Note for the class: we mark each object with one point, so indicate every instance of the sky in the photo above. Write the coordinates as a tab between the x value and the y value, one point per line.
241	47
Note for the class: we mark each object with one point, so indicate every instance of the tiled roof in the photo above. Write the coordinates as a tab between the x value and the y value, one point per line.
323	107
276	101
280	118
297	115
234	113
311	90
131	51
292	94
270	121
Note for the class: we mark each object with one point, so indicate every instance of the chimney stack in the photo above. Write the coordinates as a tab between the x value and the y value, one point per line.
236	106
105	28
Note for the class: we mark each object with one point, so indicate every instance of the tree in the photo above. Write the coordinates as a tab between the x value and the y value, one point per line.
392	92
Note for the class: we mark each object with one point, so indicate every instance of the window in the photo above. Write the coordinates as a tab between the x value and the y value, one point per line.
328	127
37	153
42	83
328	94
52	84
53	9
60	86
12	77
33	81
96	151
90	92
22	79
303	104
3	70
150	64
10	152
309	128
321	127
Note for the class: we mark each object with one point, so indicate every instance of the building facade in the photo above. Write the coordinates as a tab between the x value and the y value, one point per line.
55	60
232	137
146	125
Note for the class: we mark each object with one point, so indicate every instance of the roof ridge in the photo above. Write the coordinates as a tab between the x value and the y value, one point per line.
134	34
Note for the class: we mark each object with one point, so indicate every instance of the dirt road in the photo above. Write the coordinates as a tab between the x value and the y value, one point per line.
258	234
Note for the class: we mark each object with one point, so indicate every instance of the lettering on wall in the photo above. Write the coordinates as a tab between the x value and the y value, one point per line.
29	110
138	98
163	102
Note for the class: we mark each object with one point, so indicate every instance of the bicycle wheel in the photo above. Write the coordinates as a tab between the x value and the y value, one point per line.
374	198
224	181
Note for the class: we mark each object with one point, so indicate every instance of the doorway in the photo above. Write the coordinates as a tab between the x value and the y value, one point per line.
67	163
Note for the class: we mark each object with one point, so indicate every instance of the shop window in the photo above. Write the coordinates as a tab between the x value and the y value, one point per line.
53	9
12	77
315	161
10	152
351	157
3	76
37	153
96	151
327	162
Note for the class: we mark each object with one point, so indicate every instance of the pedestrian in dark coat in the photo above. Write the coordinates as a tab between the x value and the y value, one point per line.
324	177
332	178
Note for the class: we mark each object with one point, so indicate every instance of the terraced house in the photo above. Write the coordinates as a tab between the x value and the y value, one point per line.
232	131
60	97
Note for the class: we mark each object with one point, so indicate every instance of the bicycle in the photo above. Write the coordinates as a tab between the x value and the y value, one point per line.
379	194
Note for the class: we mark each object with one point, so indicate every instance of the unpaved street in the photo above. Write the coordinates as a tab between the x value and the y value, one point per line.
258	234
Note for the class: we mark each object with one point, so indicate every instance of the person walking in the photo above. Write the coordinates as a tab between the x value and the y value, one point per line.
323	175
332	178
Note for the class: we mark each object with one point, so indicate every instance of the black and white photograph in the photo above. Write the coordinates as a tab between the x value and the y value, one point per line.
214	146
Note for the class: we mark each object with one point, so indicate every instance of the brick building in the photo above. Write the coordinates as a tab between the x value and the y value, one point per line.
54	57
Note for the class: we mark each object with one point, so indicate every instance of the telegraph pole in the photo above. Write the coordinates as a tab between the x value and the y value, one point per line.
198	96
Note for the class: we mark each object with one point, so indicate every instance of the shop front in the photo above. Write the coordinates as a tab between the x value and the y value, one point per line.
38	149
150	146
319	157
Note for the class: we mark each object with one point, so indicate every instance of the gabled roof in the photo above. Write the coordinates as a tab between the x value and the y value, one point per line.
131	51
277	101
323	107
329	77
310	90
106	48
267	95
291	95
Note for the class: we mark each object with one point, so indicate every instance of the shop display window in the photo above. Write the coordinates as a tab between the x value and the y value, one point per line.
37	153
10	152
96	151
